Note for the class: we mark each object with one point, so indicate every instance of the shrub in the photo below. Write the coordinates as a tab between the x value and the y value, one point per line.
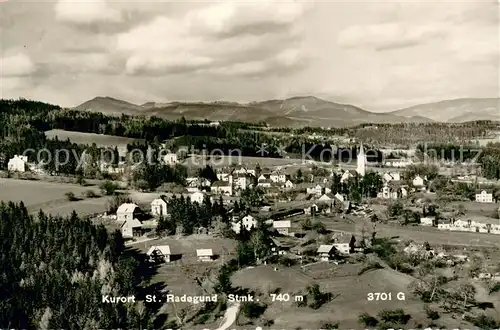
368	320
253	310
91	194
483	322
396	316
108	188
432	314
328	325
71	196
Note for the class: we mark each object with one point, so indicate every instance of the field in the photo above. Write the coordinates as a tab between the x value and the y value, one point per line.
222	161
420	234
100	140
50	197
349	292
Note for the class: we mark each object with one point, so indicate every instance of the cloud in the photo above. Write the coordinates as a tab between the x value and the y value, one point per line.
17	65
387	36
215	38
86	12
237	18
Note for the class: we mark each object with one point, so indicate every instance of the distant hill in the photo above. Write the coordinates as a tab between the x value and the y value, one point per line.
319	112
110	106
459	110
293	112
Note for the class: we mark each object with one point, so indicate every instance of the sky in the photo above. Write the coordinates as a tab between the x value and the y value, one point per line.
379	55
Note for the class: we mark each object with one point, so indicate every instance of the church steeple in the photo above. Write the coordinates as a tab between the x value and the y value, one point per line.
361	160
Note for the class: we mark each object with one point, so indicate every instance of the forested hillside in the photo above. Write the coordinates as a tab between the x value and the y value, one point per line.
54	272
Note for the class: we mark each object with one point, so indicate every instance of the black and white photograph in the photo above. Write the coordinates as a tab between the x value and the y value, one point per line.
249	165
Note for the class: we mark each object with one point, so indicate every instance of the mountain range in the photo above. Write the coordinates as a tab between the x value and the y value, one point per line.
302	111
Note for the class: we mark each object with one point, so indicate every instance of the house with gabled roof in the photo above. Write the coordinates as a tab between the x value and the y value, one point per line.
158	253
132	228
283	227
159	206
325	252
205	254
127	211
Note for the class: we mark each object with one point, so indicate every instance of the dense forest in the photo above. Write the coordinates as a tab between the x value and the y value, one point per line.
55	271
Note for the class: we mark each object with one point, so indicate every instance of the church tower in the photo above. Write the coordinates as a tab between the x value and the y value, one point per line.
361	159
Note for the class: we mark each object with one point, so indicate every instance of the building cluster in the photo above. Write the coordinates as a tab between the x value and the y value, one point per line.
470	225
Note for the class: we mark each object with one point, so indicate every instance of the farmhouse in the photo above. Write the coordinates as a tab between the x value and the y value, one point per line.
392	191
132	228
223	187
171	159
197	197
347	175
313	209
344	243
159	206
248	222
264	183
289	184
326	197
484	196
391	176
127	211
278	177
243	181
205	254
277	248
427	221
325	252
418	181
158	253
283	227
17	164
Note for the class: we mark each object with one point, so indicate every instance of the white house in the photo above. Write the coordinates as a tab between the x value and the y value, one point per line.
265	183
283	227
17	163
484	196
131	228
427	221
223	187
342	247
398	162
205	254
342	243
248	222
197	197
325	252
243	181
392	192
326	197
223	176
159	252
171	159
127	211
289	184
391	176
340	197
346	176
311	209
278	177
263	177
159	206
418	181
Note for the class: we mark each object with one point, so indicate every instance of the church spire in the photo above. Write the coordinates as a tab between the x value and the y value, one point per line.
361	160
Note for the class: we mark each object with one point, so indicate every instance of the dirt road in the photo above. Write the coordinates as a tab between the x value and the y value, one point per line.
229	316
